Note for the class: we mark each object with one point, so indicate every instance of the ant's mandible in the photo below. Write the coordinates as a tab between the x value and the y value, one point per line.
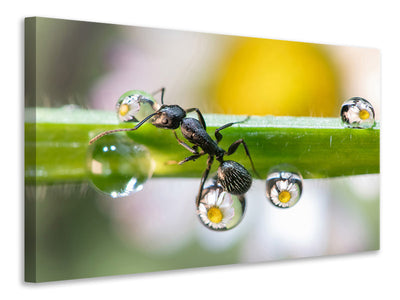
232	176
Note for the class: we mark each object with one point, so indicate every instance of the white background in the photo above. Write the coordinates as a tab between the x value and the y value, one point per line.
351	23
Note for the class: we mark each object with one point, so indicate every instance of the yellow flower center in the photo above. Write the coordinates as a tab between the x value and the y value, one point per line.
214	214
364	114
284	196
123	109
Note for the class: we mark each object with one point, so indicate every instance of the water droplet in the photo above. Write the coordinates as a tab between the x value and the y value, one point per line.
134	106
118	166
284	188
357	113
219	210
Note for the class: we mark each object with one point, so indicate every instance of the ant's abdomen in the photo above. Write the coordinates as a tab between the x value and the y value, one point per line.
234	178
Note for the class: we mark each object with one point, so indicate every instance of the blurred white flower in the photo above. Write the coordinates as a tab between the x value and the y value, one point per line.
160	218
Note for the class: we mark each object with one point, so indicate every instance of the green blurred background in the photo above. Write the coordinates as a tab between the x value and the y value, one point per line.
76	232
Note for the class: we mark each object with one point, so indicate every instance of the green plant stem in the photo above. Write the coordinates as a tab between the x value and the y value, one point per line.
56	143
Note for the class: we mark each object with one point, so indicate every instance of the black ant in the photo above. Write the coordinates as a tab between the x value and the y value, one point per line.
232	176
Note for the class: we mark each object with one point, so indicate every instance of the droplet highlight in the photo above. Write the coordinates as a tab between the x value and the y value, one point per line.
219	210
357	113
135	105
284	188
118	166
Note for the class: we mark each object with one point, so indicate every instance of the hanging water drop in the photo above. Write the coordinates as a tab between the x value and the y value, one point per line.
219	210
357	113
284	188
135	105
118	166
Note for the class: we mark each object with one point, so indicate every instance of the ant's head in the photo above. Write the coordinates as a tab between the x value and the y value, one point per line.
169	117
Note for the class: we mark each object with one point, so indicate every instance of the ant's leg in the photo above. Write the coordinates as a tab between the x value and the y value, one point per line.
162	90
218	135
201	119
191	149
154	105
193	157
182	143
195	148
233	148
210	161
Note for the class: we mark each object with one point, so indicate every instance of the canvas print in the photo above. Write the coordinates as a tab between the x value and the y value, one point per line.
150	149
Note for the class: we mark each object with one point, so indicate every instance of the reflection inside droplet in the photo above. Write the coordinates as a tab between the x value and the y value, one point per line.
118	166
357	113
220	210
284	188
134	106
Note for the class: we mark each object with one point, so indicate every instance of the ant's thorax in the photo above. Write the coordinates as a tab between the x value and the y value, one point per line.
194	132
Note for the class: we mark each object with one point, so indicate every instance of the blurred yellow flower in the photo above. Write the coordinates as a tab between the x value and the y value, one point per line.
278	77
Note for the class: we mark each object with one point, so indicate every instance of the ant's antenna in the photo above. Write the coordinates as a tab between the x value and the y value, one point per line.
121	129
162	90
162	96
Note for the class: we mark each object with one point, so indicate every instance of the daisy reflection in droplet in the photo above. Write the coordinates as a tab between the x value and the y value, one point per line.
284	188
283	192
127	108
217	209
135	105
357	113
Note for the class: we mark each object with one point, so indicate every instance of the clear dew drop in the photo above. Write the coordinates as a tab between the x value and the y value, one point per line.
219	210
118	166
284	188
357	113
134	106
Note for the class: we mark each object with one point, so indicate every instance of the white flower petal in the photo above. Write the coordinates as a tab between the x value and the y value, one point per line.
274	192
226	200
228	214
294	192
282	185
211	197
202	208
